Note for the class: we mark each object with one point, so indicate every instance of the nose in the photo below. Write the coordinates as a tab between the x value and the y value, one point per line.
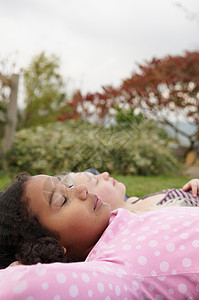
81	192
105	175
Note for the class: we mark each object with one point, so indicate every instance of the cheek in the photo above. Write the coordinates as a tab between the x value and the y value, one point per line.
110	194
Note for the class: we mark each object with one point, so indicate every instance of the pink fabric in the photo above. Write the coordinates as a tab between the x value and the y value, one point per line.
153	255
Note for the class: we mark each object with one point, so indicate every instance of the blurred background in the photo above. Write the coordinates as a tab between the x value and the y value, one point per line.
110	84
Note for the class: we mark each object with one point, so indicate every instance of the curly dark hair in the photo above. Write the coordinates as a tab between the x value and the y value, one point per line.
22	237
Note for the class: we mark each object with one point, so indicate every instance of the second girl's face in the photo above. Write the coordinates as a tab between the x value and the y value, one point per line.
77	217
108	189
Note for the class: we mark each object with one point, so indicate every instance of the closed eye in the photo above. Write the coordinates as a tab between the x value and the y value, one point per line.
65	201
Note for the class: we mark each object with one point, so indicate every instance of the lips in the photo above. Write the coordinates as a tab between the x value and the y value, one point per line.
114	182
97	202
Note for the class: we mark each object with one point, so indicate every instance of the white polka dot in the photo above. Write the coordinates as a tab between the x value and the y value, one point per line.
182	247
151	288
131	221
174	272
153	243
194	214
153	273
166	227
195	243
125	232
127	264
197	229
74	275
124	240
121	226
107	298
102	245
171	291
170	218
57	297
20	287
156	232
125	288
110	234
186	224
61	278
166	237
30	298
85	277
126	247
73	291
111	246
142	260
157	253
121	271
145	228
90	293
140	278
186	262
192	278
110	286
40	270
170	247
95	274
184	236
16	276
161	278
154	218
175	229
164	266
197	288
182	288
141	238
138	247
45	286
100	287
135	285
117	290
159	297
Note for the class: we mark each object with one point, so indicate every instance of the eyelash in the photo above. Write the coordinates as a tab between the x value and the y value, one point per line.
65	200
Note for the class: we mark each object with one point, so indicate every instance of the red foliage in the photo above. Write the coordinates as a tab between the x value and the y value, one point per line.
171	82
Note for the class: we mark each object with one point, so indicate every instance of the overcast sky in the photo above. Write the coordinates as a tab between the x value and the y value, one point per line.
98	41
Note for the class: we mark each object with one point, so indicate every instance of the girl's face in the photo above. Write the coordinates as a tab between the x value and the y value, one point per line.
76	216
108	189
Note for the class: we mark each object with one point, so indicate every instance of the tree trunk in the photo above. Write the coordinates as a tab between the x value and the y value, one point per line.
11	121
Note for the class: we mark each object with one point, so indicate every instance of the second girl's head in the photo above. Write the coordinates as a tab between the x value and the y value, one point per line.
107	188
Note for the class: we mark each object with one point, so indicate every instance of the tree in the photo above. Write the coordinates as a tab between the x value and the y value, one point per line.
9	82
163	88
44	90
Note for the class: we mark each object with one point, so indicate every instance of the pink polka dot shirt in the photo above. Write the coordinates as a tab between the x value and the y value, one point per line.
152	255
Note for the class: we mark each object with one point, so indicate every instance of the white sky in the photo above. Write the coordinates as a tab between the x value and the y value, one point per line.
98	41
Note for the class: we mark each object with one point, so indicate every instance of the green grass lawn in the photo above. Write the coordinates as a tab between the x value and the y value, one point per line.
136	185
144	185
5	179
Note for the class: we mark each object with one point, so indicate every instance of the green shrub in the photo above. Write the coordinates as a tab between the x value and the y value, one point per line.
76	146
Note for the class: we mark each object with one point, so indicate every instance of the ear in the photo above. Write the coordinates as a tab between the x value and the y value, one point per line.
64	249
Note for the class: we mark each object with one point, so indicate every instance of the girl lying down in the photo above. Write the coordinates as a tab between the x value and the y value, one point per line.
113	192
151	255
